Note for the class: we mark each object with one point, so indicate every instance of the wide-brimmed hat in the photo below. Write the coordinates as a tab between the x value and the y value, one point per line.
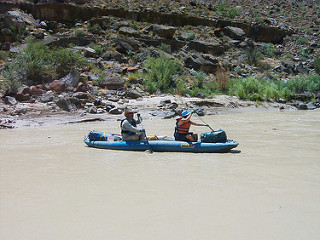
185	113
130	110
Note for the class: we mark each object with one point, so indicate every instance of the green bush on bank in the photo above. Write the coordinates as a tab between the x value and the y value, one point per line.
35	63
299	84
254	89
161	72
317	64
162	76
29	65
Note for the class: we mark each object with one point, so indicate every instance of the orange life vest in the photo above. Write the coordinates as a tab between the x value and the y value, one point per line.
182	128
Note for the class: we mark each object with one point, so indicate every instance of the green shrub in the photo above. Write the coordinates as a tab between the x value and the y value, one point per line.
11	79
98	48
259	19
258	97
64	60
268	49
271	91
164	47
257	90
254	56
205	91
4	55
200	77
181	86
32	63
79	32
36	61
302	41
189	36
151	86
161	72
96	28
308	31
232	12
245	87
17	32
316	64
304	52
221	7
240	91
310	83
254	89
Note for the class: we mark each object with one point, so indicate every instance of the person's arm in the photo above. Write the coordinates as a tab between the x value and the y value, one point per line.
139	120
197	124
126	126
183	120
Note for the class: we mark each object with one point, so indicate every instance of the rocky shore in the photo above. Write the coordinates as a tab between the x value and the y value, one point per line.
196	33
150	107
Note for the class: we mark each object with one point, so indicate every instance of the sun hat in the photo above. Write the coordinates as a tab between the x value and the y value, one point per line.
185	113
130	110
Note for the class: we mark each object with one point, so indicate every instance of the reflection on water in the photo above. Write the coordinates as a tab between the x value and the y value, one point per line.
54	187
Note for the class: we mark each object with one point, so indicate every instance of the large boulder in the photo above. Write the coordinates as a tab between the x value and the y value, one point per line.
213	47
133	94
10	100
163	31
129	31
124	46
116	111
68	104
87	51
71	79
265	33
47	97
206	63
57	86
112	83
234	33
19	19
82	87
65	41
24	94
37	90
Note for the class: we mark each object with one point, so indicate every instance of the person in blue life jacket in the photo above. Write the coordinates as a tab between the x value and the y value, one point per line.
129	130
183	124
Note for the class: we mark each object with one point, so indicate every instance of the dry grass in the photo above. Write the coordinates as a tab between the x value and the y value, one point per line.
222	79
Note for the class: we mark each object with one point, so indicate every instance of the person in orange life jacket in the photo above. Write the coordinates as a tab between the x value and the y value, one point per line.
129	130
183	124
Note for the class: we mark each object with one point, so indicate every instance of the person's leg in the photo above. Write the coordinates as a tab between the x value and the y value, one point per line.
195	137
142	136
131	138
192	137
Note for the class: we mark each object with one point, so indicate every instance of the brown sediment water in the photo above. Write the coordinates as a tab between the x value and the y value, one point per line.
52	186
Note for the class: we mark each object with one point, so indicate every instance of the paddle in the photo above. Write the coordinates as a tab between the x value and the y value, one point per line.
149	147
204	122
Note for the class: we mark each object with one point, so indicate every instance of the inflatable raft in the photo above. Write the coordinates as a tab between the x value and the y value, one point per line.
161	145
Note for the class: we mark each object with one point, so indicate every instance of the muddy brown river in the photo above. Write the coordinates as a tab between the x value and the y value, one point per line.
54	187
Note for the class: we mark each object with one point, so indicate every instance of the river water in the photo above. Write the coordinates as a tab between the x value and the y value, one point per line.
54	187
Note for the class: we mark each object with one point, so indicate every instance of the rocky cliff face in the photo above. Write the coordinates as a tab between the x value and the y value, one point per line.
208	36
